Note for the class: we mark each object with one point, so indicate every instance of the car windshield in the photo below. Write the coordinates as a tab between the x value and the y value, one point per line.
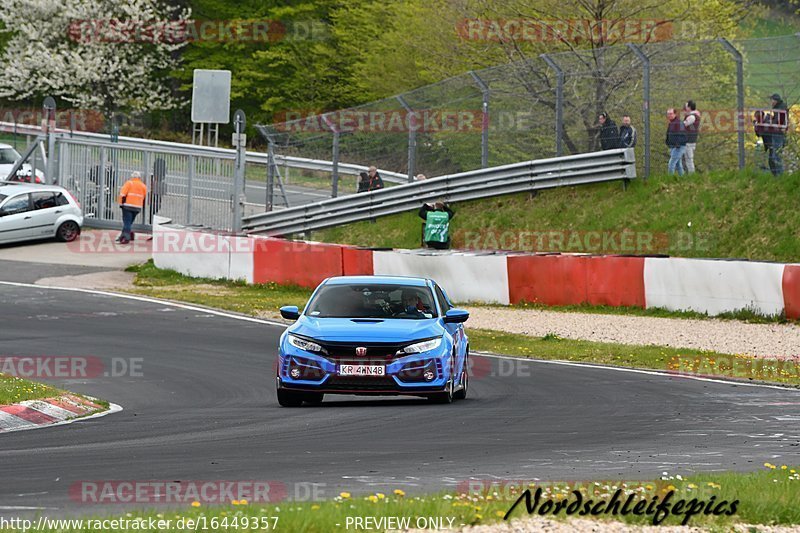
8	156
372	301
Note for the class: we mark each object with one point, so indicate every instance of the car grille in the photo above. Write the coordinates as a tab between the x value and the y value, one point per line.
345	353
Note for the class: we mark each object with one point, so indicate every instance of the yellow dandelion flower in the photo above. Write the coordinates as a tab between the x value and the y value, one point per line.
398	492
314	507
344	495
195	504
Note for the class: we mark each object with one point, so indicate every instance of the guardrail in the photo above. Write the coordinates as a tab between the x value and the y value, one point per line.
594	167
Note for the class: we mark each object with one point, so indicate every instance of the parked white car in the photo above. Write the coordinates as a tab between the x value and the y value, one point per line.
32	211
8	158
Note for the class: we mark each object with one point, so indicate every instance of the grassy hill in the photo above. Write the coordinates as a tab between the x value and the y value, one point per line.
723	214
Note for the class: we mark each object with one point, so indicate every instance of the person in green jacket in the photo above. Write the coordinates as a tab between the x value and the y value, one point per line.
437	217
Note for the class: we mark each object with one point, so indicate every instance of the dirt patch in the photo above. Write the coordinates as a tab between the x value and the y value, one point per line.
111	279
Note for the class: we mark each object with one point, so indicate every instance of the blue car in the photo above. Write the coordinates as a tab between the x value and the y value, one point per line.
374	335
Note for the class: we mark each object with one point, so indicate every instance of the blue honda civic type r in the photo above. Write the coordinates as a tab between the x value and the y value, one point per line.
374	335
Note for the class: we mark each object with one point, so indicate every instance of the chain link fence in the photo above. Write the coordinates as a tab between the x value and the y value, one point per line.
548	106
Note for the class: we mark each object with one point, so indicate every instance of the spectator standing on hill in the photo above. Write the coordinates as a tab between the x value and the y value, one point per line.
609	134
778	124
760	126
370	180
692	124
627	133
437	217
676	142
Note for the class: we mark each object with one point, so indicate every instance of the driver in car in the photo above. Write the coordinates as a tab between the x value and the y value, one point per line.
412	304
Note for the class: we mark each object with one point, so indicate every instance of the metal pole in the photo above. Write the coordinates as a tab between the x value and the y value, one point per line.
240	142
148	181
737	56
645	104
335	149
270	174
100	189
189	190
412	140
559	102
485	124
50	118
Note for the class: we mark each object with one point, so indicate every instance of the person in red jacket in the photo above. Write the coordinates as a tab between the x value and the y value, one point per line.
131	200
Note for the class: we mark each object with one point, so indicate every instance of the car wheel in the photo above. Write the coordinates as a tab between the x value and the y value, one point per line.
314	398
289	398
68	231
461	393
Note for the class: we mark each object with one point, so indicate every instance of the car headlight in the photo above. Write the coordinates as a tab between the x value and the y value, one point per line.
306	345
419	347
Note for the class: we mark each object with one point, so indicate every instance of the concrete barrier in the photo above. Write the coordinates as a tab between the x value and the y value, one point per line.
703	285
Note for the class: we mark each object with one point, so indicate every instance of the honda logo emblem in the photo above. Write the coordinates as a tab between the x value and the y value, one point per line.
361	351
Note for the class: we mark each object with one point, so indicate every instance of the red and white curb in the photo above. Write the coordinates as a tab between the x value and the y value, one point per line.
33	414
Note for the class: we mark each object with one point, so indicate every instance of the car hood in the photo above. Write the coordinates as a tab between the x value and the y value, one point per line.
355	330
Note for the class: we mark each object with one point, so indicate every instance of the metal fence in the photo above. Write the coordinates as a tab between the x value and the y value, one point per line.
192	185
528	176
548	106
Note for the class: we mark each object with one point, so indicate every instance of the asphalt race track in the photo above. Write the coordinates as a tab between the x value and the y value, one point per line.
205	409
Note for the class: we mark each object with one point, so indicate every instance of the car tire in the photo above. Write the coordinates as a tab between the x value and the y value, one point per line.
290	398
68	231
461	394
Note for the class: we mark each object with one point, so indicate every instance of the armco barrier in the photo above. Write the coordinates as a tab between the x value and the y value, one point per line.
713	286
791	290
703	285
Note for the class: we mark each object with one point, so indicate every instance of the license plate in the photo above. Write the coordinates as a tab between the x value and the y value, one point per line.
362	370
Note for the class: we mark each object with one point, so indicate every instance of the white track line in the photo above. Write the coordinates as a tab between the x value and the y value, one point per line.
495	356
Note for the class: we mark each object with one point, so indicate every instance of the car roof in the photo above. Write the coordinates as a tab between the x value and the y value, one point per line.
12	187
3	145
383	280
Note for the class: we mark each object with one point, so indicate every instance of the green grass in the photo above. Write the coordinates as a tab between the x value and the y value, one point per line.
744	315
766	497
266	299
14	389
256	299
732	214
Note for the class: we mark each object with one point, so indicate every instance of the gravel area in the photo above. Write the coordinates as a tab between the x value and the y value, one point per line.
537	524
110	279
725	336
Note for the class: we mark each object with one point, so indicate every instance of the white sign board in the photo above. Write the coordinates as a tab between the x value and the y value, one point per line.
211	96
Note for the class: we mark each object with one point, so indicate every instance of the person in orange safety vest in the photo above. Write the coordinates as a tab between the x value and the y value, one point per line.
131	200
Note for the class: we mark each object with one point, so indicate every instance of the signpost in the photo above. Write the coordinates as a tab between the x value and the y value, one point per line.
211	104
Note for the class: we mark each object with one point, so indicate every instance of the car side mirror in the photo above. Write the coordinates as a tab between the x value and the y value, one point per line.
456	316
290	312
